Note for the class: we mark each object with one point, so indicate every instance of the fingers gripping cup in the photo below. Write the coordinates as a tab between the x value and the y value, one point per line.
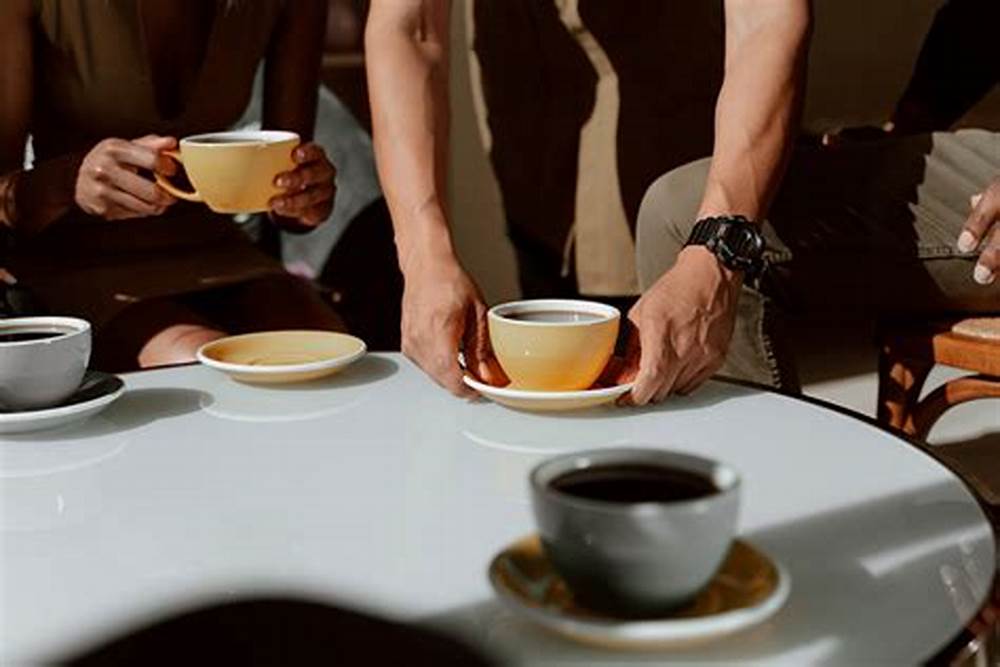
553	344
233	172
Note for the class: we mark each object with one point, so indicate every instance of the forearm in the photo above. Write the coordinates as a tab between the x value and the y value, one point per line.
408	85
30	200
758	109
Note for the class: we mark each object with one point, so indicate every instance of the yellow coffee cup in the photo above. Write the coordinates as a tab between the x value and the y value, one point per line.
553	344
233	172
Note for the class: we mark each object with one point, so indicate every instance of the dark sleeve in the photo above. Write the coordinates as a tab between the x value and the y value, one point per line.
958	65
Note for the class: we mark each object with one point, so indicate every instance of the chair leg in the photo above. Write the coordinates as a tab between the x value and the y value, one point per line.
962	390
900	380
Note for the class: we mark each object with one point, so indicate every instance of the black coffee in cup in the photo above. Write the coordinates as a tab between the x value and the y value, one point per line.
634	483
552	316
42	360
635	532
20	336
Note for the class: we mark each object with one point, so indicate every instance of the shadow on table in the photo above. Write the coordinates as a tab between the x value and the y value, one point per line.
134	409
139	407
707	396
975	460
367	370
913	550
278	631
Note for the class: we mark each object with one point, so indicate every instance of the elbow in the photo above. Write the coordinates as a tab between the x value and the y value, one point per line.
791	20
410	34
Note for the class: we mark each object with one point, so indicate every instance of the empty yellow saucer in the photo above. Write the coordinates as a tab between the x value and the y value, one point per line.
274	357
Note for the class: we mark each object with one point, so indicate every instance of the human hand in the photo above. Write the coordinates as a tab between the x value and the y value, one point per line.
108	182
443	309
982	233
861	134
309	188
681	328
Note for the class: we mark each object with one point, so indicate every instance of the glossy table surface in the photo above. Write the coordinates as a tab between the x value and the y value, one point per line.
376	490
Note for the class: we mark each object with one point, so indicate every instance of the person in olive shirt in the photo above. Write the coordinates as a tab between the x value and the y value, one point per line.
103	88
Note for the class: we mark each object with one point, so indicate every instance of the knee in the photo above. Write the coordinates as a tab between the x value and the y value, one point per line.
666	215
177	344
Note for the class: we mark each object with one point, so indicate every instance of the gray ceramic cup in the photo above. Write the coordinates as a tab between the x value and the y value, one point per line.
639	559
43	372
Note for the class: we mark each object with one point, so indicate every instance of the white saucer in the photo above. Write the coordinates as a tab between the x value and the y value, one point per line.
749	588
97	391
522	399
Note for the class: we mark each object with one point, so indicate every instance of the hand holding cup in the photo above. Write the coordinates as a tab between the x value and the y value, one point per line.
309	188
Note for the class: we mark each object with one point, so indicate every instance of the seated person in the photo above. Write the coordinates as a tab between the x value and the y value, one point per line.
103	88
901	223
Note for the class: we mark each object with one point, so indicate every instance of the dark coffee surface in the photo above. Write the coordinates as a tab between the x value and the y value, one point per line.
555	316
226	140
634	483
22	336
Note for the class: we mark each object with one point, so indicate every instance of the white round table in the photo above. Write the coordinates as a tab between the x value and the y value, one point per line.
376	490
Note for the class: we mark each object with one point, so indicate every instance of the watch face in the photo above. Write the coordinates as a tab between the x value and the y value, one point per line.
740	241
735	241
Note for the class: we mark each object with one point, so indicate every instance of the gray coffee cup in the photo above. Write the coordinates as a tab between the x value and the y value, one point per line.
44	371
635	559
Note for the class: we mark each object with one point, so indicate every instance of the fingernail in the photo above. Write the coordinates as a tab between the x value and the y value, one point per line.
300	154
975	199
284	181
966	242
983	275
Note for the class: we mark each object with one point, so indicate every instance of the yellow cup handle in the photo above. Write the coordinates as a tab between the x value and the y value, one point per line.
170	187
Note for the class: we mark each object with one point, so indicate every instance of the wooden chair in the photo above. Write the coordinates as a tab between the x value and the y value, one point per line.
907	354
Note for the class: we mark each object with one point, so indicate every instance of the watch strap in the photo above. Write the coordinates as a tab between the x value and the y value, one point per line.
736	242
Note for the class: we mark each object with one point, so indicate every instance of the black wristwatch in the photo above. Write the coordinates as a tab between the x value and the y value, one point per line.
736	241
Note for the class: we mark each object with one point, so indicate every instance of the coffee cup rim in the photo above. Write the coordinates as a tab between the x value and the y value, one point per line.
77	326
724	476
240	138
605	312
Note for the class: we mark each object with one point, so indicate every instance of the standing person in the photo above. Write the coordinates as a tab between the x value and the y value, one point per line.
103	88
685	320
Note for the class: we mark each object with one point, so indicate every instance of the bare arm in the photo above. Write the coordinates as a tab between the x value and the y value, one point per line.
291	72
406	45
759	104
685	320
291	84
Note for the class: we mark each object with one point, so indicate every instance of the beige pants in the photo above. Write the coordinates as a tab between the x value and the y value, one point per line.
865	230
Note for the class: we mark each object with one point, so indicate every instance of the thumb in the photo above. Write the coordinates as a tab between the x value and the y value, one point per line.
623	369
479	355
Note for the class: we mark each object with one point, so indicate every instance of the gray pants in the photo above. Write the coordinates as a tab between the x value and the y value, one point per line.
858	231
